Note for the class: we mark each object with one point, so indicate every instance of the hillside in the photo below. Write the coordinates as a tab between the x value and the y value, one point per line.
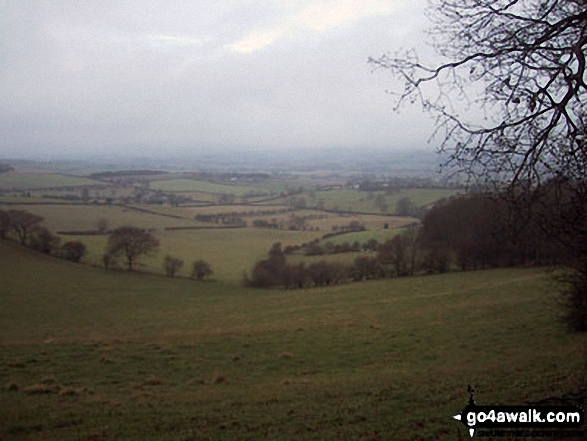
103	355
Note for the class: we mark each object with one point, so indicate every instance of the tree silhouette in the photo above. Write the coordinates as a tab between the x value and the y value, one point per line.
131	243
509	94
523	62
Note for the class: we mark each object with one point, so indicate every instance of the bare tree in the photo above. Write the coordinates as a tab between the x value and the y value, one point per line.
43	240
131	242
201	269
172	265
22	223
395	251
73	250
523	62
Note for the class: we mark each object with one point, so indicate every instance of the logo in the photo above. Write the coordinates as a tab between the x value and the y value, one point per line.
475	417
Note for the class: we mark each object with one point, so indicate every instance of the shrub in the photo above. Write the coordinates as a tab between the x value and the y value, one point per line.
201	269
43	240
172	265
73	250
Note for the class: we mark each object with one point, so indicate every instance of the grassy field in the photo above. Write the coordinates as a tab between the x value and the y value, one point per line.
25	180
230	252
189	185
78	217
94	354
325	221
360	201
243	210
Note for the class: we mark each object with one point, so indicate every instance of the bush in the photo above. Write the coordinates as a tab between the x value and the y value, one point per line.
172	265
43	240
74	250
201	269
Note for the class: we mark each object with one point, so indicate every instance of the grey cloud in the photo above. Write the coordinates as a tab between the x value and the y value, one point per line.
145	76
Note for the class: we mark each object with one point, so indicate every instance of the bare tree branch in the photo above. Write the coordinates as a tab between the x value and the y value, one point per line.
523	62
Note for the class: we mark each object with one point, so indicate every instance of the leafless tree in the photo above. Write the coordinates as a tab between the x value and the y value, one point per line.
131	242
73	250
509	93
22	223
201	269
171	265
43	240
523	62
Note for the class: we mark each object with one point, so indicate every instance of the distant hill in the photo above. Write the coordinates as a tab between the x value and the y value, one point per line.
6	168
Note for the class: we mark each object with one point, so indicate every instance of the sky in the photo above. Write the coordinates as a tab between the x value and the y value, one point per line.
152	78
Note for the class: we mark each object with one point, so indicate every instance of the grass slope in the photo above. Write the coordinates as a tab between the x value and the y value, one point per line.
91	354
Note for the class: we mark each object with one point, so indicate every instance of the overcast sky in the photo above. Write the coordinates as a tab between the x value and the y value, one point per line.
147	77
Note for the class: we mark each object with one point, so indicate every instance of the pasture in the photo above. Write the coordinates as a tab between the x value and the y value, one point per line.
366	202
30	180
95	354
189	185
77	217
231	253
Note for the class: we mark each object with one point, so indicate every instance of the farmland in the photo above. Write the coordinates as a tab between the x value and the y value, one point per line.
90	353
147	357
230	250
189	185
29	180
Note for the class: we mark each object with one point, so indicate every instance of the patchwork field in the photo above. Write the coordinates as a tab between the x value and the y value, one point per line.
94	354
77	217
189	185
366	202
28	180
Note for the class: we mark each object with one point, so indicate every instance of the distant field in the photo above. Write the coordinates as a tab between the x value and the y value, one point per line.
9	200
230	252
94	354
360	201
84	217
241	209
24	180
188	185
329	220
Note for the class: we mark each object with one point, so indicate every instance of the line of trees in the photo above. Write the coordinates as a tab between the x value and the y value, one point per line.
131	243
25	228
461	233
127	243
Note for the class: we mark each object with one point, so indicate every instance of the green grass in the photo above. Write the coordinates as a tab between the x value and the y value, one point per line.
77	217
26	180
189	185
230	252
116	355
359	201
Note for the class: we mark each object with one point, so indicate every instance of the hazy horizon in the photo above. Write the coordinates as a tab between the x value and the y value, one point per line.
146	78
